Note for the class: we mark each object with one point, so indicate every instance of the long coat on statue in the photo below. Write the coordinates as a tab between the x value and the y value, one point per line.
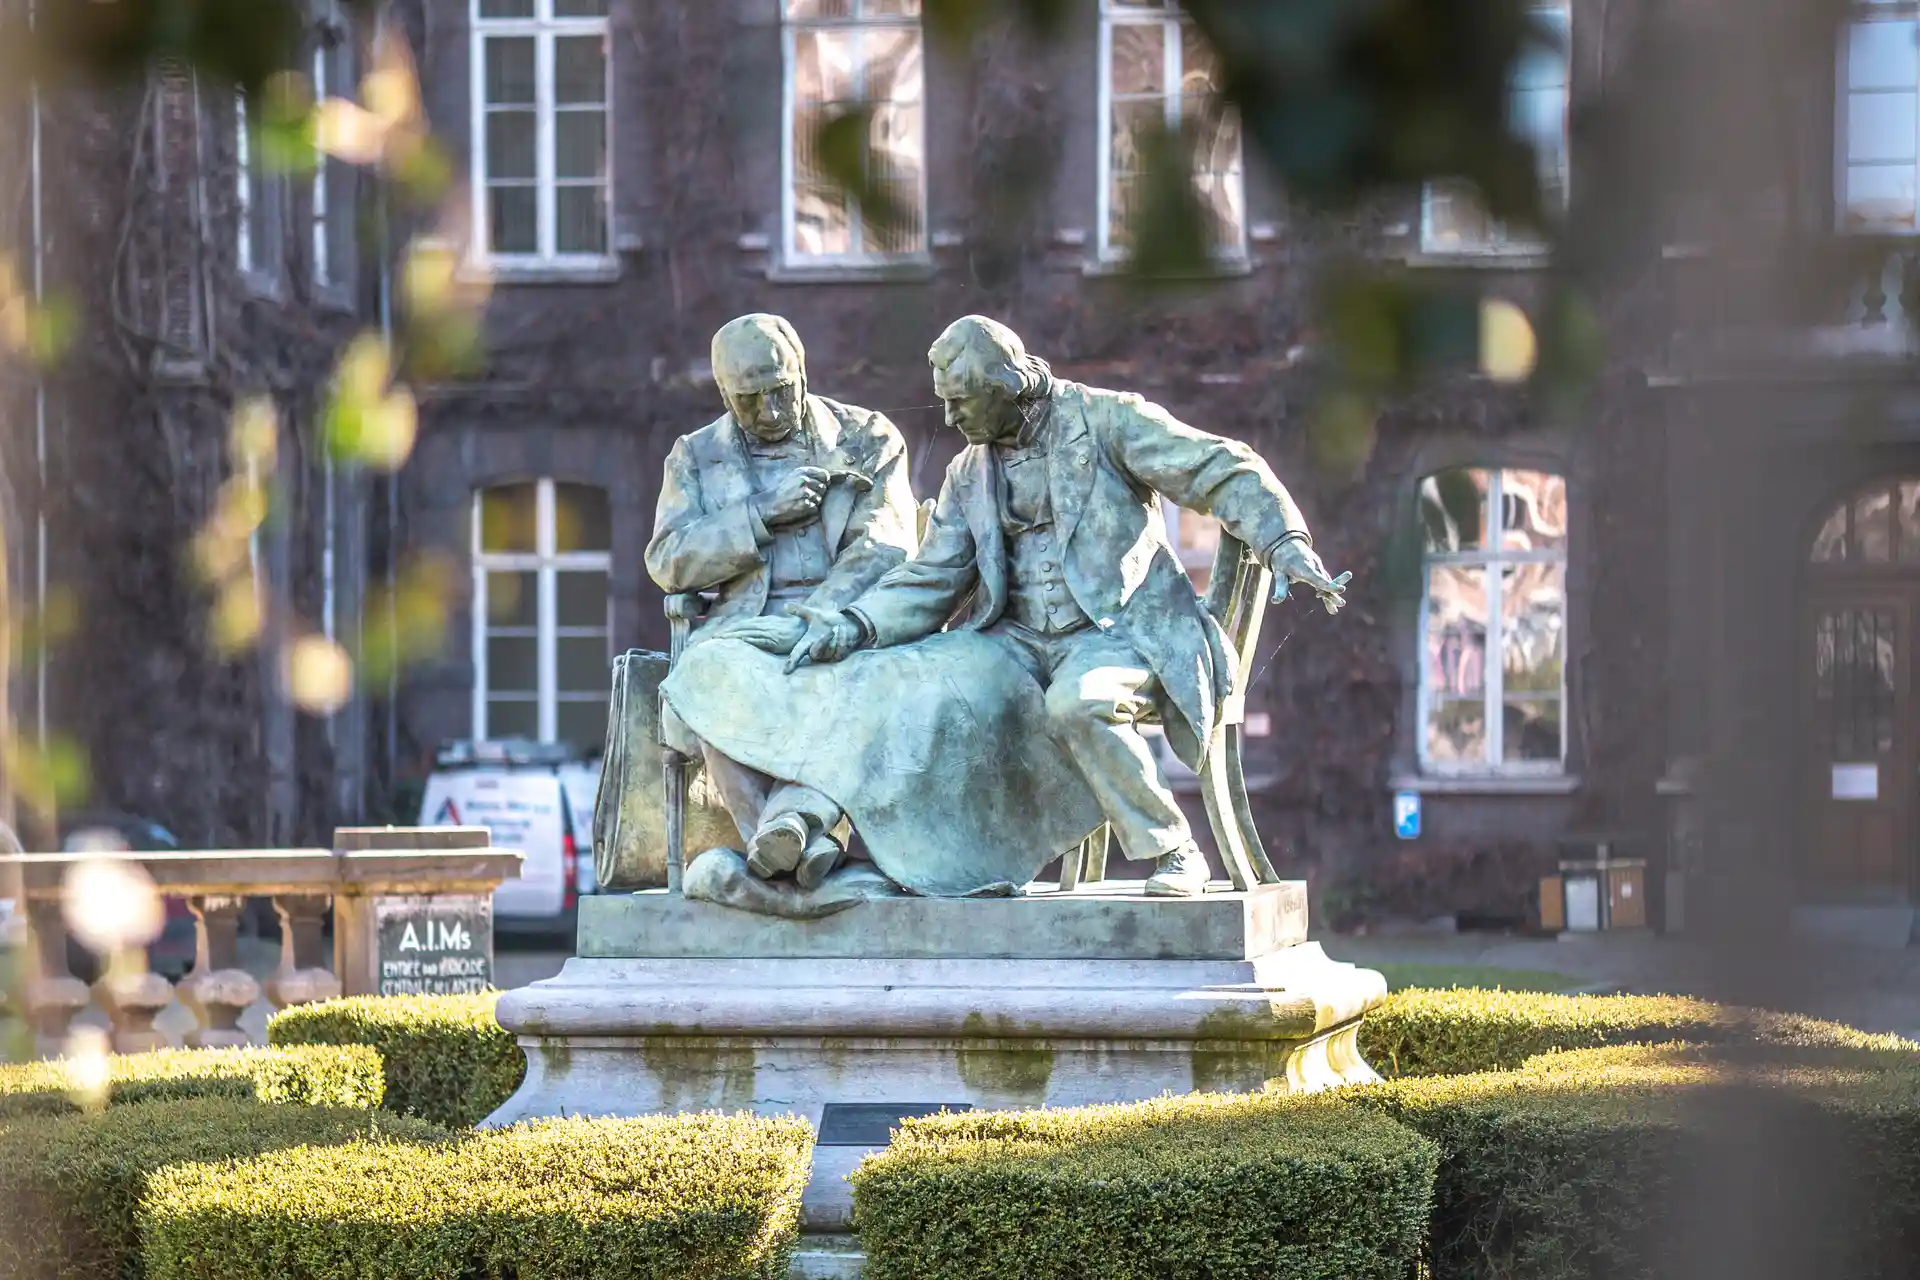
1110	455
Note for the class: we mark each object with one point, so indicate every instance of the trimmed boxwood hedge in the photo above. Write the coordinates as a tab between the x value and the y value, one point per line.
1203	1185
70	1186
318	1075
1419	1032
1598	1163
667	1196
447	1059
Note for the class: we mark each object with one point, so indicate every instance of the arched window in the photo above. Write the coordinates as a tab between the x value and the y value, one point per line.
542	628
1880	525
1493	622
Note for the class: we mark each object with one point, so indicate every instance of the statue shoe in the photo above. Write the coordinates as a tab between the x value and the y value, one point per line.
1180	873
778	846
821	857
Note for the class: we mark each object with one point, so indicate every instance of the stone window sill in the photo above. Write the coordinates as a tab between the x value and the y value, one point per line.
1492	259
1230	267
895	271
1488	784
539	273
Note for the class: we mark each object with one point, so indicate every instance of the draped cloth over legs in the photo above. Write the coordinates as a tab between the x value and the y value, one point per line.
938	751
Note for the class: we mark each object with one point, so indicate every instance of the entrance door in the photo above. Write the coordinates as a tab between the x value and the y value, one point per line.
1863	749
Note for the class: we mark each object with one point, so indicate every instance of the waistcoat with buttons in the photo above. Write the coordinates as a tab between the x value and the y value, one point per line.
1037	594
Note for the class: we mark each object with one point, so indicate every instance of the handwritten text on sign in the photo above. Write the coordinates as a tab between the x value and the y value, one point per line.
440	945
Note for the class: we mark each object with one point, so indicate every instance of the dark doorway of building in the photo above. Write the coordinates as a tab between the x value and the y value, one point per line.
1863	720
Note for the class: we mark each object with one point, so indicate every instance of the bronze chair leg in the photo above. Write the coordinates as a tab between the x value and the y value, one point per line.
1223	787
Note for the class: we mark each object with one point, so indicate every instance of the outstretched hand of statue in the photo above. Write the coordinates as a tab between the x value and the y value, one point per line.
1297	561
830	636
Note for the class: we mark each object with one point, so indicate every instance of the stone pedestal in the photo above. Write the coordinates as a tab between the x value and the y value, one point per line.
903	1006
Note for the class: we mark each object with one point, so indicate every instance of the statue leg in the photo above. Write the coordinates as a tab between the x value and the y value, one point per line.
1097	690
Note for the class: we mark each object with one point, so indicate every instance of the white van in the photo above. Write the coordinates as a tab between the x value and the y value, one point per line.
534	797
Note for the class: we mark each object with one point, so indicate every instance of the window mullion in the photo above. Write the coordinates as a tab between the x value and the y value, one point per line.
546	198
857	212
548	650
1170	72
1493	665
479	630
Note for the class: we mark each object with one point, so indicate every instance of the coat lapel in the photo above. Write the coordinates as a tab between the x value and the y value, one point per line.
837	509
983	519
1069	468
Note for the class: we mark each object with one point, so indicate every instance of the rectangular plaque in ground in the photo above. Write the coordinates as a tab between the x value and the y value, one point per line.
434	945
871	1124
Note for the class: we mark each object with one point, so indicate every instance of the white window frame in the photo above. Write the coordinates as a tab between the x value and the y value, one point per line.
545	562
321	210
243	187
1863	12
857	18
543	28
1169	16
1491	560
1501	240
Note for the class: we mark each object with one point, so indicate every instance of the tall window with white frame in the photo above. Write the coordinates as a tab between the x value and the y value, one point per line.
1157	71
542	629
843	57
1452	217
1877	159
244	195
541	111
1493	622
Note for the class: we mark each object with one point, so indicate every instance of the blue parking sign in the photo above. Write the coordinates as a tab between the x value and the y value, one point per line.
1406	815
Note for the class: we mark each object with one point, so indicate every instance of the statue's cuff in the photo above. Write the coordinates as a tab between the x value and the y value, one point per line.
1291	535
863	624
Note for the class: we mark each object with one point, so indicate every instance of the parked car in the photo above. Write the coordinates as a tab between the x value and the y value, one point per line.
534	797
171	954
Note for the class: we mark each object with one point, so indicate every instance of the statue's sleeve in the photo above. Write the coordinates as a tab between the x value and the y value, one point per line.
693	549
1200	472
917	598
880	530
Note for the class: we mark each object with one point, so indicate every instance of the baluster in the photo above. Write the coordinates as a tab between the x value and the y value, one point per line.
1909	292
218	990
53	994
301	979
133	996
1873	298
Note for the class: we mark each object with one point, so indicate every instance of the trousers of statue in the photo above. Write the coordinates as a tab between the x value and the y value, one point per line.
1098	688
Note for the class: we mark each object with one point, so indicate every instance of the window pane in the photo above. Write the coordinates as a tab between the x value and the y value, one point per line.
1880	197
1533	607
1456	630
580	599
1531	730
823	64
895	71
1199	65
510	79
507	518
1139	58
579	69
1873	527
513	599
1132	125
584	663
1453	507
510	144
582	725
582	520
1909	515
579	144
1830	544
506	8
1534	515
822	222
513	718
892	8
514	219
1456	219
579	8
512	664
582	220
1457	732
1883	55
1880	126
804	9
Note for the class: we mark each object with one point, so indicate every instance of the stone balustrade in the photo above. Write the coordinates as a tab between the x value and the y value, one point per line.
365	864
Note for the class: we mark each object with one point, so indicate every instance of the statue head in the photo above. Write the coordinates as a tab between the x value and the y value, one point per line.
982	371
762	371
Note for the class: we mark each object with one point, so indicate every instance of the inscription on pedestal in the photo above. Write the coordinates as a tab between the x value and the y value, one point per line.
871	1124
434	945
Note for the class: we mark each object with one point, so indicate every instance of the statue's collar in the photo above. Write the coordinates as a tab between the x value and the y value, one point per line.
1036	413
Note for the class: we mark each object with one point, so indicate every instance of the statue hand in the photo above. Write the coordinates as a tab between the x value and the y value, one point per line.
772	634
1296	561
831	635
795	499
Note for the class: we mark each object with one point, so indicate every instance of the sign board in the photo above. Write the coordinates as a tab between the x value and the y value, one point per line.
871	1124
522	811
438	944
1856	782
1406	815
